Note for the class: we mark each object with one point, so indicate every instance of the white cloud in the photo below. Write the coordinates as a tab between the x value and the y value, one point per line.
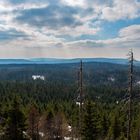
129	37
77	31
132	31
44	41
74	2
117	47
121	9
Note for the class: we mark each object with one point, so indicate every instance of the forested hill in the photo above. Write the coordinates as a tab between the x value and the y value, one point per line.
94	73
48	94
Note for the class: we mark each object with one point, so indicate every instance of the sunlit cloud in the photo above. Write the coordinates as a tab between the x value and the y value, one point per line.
69	28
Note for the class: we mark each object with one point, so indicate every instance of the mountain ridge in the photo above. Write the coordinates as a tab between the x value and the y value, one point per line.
66	61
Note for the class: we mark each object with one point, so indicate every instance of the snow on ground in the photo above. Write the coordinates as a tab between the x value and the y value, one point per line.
112	79
35	77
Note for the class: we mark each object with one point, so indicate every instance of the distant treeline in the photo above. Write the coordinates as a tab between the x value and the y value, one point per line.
94	73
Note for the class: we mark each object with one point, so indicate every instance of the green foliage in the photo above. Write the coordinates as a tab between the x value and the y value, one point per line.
90	123
103	118
15	124
33	122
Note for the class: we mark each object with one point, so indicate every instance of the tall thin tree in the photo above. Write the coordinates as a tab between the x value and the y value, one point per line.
130	90
80	96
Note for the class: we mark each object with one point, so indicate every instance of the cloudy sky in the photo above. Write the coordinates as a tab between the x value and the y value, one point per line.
69	28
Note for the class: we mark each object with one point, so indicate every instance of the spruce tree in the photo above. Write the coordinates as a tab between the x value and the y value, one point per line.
89	129
15	122
115	129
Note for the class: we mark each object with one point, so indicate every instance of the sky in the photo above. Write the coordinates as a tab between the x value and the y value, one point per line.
69	28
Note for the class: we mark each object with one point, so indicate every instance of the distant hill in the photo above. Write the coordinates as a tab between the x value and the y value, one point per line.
95	73
14	61
65	61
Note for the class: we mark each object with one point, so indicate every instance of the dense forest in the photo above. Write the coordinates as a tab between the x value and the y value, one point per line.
94	73
48	109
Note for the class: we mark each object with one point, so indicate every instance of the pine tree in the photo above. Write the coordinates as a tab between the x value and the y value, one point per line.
104	125
89	129
115	129
15	122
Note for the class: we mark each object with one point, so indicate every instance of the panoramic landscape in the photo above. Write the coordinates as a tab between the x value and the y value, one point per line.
70	70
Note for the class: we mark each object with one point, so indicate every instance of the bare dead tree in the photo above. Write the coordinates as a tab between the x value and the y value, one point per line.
130	90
